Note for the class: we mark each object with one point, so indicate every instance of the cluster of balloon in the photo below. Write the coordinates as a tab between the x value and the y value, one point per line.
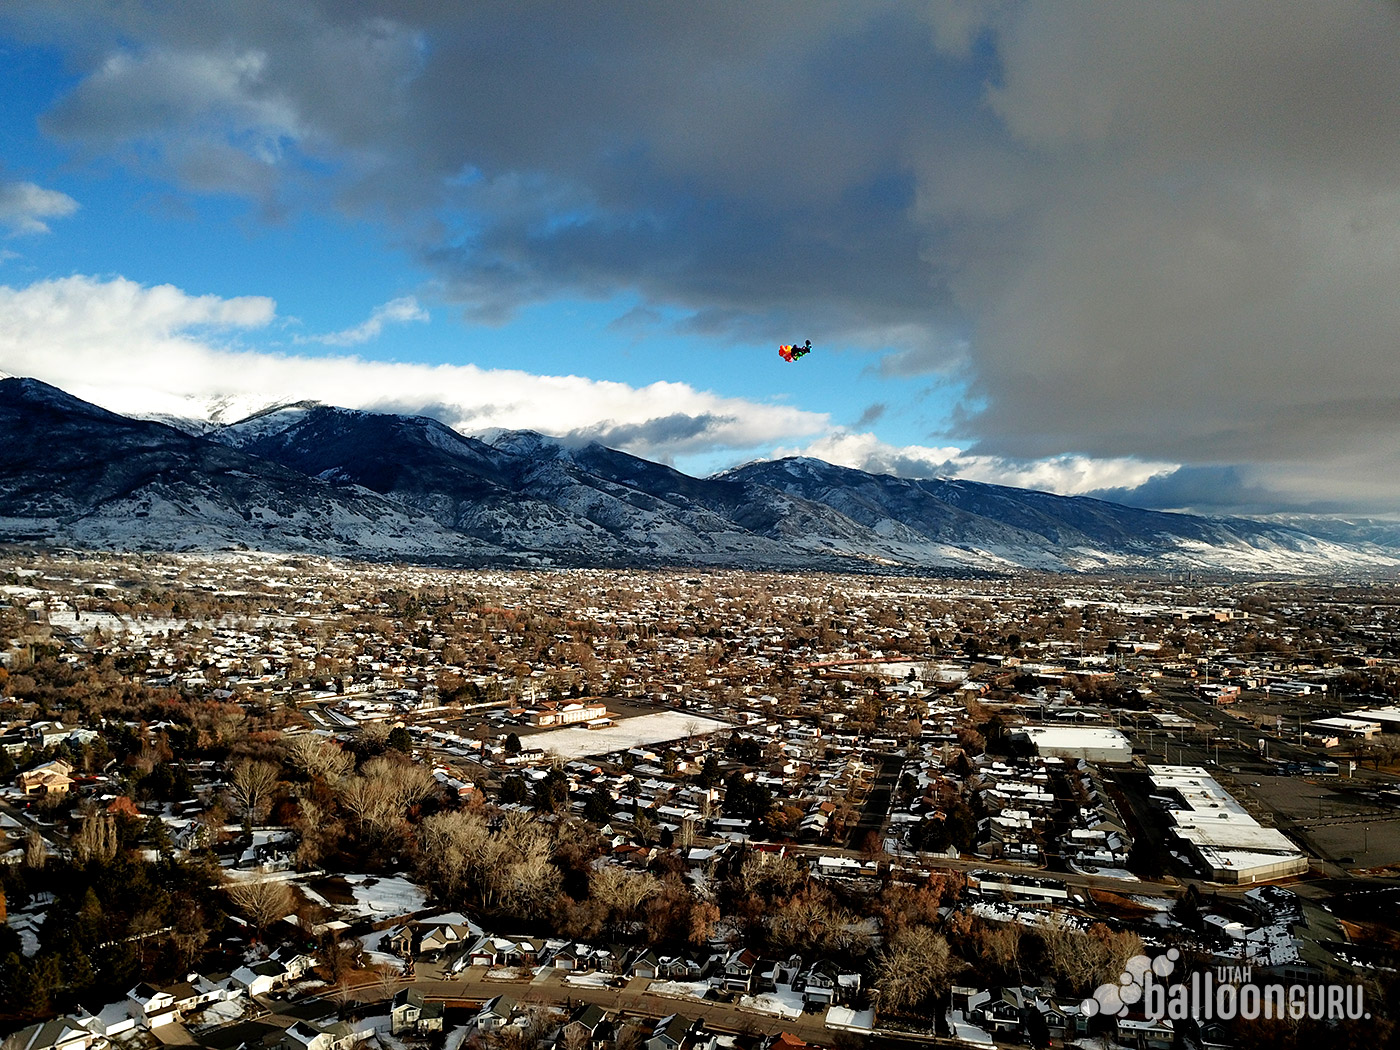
792	353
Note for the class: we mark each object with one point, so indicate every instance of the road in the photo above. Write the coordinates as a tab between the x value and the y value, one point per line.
472	987
876	809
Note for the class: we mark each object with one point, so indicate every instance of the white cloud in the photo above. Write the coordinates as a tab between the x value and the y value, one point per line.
138	349
1067	475
396	311
24	206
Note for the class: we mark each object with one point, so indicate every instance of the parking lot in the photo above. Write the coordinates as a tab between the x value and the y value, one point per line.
1336	817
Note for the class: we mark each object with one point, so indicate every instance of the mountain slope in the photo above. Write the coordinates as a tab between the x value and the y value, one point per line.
76	473
1040	528
309	477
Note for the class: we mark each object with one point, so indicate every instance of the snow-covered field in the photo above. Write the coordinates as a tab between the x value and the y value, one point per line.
631	732
384	897
374	897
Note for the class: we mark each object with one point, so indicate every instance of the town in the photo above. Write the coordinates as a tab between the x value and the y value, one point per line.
278	801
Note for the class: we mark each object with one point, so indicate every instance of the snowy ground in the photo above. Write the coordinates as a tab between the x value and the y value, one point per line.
586	980
1122	874
966	1032
1155	903
221	1013
680	989
631	732
373	942
384	897
784	1002
850	1020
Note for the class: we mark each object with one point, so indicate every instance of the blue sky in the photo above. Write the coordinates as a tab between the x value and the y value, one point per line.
1085	247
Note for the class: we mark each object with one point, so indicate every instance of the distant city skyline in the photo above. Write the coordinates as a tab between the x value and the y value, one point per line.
1147	252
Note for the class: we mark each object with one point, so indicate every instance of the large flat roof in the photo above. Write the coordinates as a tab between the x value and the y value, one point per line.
1213	820
1077	736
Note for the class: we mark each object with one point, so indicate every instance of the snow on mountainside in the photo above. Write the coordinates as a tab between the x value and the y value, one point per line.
73	473
310	477
1039	528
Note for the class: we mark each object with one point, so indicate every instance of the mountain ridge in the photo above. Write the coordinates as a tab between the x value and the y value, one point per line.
305	476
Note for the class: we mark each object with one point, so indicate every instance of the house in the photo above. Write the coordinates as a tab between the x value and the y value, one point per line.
496	1013
765	975
506	951
62	1033
432	937
112	1020
52	778
670	1032
260	978
644	964
48	733
676	968
588	1026
1146	1035
297	964
1000	1012
567	958
410	1013
816	986
160	1006
1064	1020
305	1035
734	973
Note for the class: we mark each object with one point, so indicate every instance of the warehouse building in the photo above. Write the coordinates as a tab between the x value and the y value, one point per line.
1212	827
1073	743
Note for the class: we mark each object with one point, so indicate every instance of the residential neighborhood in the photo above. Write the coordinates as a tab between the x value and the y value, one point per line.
255	801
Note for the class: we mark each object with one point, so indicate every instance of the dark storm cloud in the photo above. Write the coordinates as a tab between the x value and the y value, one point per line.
1209	490
1162	231
873	412
676	433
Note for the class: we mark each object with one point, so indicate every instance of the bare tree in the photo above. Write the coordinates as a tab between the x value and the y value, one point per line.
916	963
1080	960
318	757
36	851
389	979
251	786
1002	945
378	798
263	901
509	868
621	891
96	838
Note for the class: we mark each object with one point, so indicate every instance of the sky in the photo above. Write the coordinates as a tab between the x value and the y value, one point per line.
1149	252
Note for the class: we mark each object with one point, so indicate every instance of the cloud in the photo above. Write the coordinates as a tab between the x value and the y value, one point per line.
139	349
872	414
1066	475
1206	236
1135	233
1211	490
396	311
24	207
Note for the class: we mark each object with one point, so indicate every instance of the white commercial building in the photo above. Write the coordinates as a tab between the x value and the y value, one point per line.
1216	829
1090	743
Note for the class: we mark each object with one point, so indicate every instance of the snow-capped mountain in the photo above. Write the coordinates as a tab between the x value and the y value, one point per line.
309	477
76	474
